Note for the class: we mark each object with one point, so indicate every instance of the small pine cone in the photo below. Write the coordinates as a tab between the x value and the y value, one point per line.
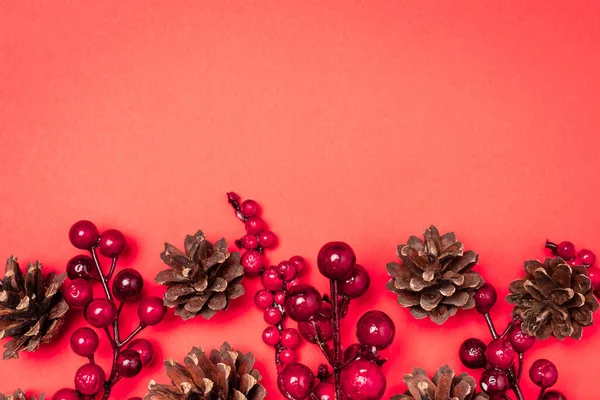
223	375
553	299
443	386
203	279
32	307
435	278
20	395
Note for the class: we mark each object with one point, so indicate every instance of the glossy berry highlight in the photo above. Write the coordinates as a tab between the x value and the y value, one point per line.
83	235
363	380
336	260
302	301
543	373
376	329
100	313
151	311
472	353
295	381
84	342
111	243
89	379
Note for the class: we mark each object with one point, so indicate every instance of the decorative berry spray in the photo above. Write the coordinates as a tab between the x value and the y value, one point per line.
356	372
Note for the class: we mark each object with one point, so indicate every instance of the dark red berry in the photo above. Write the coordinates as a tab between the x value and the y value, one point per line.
253	262
82	266
543	373
89	379
363	380
151	310
272	315
376	329
267	239
299	262
271	279
66	394
336	260
472	353
144	348
263	298
295	381
554	395
519	340
249	208
129	363
574	262
594	275
290	338
249	242
324	391
357	284
292	283
127	285
352	352
78	292
302	301
279	297
83	235
84	342
500	353
271	336
565	250
100	313
112	243
587	257
287	356
485	298
494	381
286	270
322	319
255	226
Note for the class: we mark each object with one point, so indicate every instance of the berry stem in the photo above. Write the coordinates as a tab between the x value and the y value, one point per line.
520	370
490	324
322	345
551	245
541	395
337	345
132	335
514	384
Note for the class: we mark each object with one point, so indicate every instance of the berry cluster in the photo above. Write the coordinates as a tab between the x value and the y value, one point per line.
356	372
129	355
566	250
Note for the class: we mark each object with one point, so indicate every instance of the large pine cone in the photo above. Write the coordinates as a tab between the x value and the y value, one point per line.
553	299
443	386
224	375
435	278
32	307
20	395
202	279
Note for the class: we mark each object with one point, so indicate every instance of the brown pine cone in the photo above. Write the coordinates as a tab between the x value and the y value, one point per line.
201	280
435	278
20	395
32	307
223	375
443	386
553	299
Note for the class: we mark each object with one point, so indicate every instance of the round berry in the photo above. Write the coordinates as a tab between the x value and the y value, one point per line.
272	315
292	283
82	266
375	328
271	280
271	336
302	301
112	243
253	262
587	257
144	348
249	242
89	379
565	250
322	319
357	284
100	313
324	391
554	395
129	363
290	338
472	353
363	380
84	342
127	285
249	208
267	239
336	260
286	270
279	297
500	353
255	226
485	298
299	263
83	235
574	262
494	381
352	352
263	298
543	373
151	310
287	356
66	394
295	381
78	292
519	340
594	275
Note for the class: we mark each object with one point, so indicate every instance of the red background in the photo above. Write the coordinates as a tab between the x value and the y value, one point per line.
356	121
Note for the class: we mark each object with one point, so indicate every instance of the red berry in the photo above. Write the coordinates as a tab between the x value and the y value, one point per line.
322	319
587	257
519	340
89	379
376	329
66	394
271	336
302	301
255	226
287	356
292	283
144	348
554	395
263	298
253	262
357	284
485	298
543	373
249	242
267	239
151	310
84	342
129	363
574	262
249	208
295	381
336	260
290	338
271	280
299	262
363	380
500	353
472	353
272	316
78	292
594	275
112	243
83	235
286	270
494	381
279	297
565	250
82	266
352	352
127	285
100	313
324	391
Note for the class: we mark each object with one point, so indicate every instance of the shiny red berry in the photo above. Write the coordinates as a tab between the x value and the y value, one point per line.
299	262
295	381
594	275
587	257
272	315
78	292
271	279
249	242
66	394
519	340
472	353
302	301
84	342
485	298
263	298
324	391
249	208
287	356
83	235
565	250
286	270
129	363
144	348
279	297
151	310
290	338
254	226
292	283
89	379
322	319
500	353
253	262
357	284
100	313
363	380
494	381
352	352
376	329
336	260
82	266
267	239
112	243
554	395
543	373
271	336
127	285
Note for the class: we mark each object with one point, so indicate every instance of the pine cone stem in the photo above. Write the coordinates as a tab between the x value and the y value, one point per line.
337	343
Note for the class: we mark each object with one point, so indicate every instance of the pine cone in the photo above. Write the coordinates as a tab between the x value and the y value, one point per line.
443	386
553	299
435	277
19	395
203	279
224	375
32	307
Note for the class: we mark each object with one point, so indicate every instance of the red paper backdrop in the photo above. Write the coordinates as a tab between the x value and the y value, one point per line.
356	121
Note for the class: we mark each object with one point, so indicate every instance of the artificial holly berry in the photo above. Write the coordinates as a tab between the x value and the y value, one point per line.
295	381
363	380
151	310
129	363
286	270
357	284
249	208
322	319
543	373
83	235
587	257
253	262
255	226
472	353
249	242
127	285
144	348
500	353
519	340
554	395
494	381
279	297
78	292
100	313
594	275
82	266
485	298
263	298
299	263
66	394
565	250
375	328
336	260
84	342
111	243
89	379
271	279
324	391
287	356
290	338
267	239
301	302
271	336
272	315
